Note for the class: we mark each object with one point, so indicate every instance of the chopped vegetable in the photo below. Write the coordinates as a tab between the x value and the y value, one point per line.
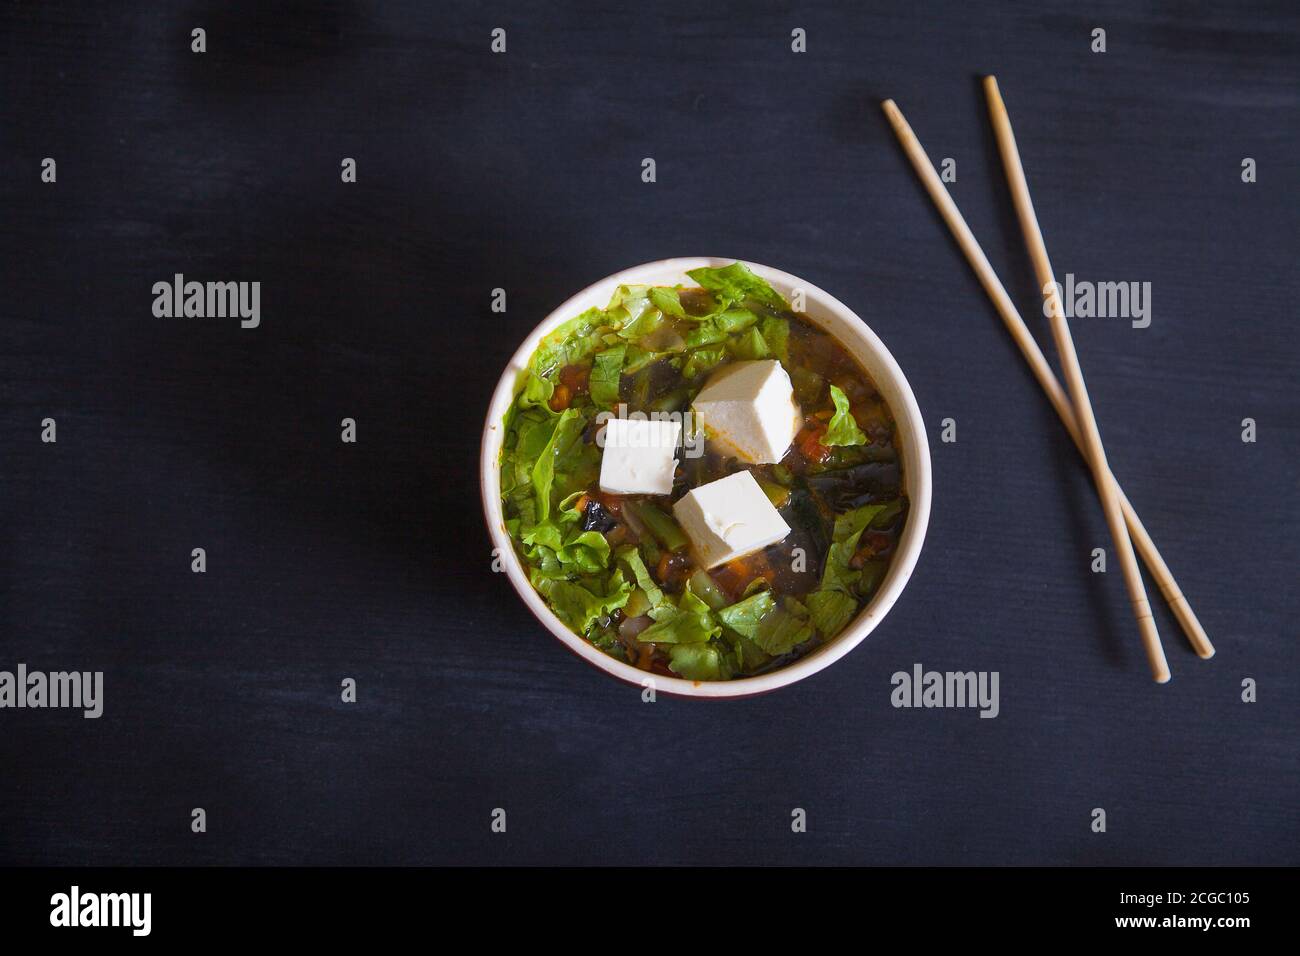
709	592
667	301
662	526
689	623
606	373
737	283
777	494
843	429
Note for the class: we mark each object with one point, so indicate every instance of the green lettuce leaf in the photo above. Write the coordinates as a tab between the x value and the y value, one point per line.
667	301
781	631
631	558
717	327
558	547
571	342
835	601
606	373
745	616
776	333
528	431
750	345
587	552
851	524
576	604
842	430
692	623
643	327
700	661
702	360
737	283
749	656
837	574
568	429
772	628
628	304
831	611
536	392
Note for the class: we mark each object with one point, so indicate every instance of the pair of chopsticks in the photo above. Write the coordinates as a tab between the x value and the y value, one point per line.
1074	408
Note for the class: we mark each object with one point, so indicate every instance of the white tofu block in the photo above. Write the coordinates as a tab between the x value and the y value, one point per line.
748	410
639	456
728	518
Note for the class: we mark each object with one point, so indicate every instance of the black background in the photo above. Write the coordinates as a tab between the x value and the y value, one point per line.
522	171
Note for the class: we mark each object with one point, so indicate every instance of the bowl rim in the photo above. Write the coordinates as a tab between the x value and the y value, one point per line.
917	475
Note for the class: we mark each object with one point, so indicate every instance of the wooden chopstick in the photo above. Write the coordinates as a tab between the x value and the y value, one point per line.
1078	389
1041	370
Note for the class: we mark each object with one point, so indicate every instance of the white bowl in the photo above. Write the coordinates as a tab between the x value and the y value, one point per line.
841	322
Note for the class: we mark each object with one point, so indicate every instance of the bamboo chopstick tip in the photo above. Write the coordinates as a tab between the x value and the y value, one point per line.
1196	635
1159	665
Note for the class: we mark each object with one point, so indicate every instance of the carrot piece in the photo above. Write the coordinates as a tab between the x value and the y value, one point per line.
809	443
736	575
561	398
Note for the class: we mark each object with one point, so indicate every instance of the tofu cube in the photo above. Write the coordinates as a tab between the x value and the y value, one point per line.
728	518
748	410
639	456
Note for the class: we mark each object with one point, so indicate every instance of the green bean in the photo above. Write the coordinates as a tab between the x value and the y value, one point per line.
708	591
663	527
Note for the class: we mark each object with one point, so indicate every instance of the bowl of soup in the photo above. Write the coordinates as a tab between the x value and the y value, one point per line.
706	476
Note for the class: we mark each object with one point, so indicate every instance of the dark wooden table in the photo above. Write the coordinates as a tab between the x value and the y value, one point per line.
521	171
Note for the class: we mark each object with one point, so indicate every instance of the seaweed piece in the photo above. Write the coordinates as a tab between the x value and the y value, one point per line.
596	517
848	488
810	534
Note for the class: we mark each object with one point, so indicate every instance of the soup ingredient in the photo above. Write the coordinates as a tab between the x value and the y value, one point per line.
737	283
748	410
729	518
596	517
604	376
639	456
842	428
857	485
761	619
844	579
661	527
